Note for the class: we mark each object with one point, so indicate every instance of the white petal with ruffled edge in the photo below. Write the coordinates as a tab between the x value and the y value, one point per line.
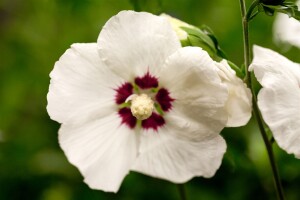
287	29
239	103
189	143
191	78
102	149
131	43
268	61
178	159
278	100
81	87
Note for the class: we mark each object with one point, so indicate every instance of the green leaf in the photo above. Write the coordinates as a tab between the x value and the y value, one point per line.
205	39
210	33
288	8
198	33
194	40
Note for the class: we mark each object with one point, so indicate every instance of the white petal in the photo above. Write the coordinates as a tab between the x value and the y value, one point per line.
178	159
279	105
287	29
239	103
131	43
278	100
81	87
102	150
192	80
266	61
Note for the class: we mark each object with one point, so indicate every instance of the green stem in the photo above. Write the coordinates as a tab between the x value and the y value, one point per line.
181	191
246	42
245	18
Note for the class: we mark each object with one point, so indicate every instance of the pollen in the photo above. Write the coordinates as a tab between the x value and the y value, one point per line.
141	106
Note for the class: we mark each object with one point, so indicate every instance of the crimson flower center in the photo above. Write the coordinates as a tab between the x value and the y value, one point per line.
143	100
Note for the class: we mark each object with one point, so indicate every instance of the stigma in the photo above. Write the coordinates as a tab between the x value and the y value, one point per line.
141	106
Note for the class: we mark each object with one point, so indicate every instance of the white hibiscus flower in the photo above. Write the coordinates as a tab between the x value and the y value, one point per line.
136	100
279	98
287	29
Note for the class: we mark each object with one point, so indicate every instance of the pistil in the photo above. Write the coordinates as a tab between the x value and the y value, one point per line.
141	106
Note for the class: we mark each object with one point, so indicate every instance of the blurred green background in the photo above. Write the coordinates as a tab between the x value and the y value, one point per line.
35	33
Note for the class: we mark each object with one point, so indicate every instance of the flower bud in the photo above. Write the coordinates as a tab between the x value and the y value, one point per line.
177	26
190	35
